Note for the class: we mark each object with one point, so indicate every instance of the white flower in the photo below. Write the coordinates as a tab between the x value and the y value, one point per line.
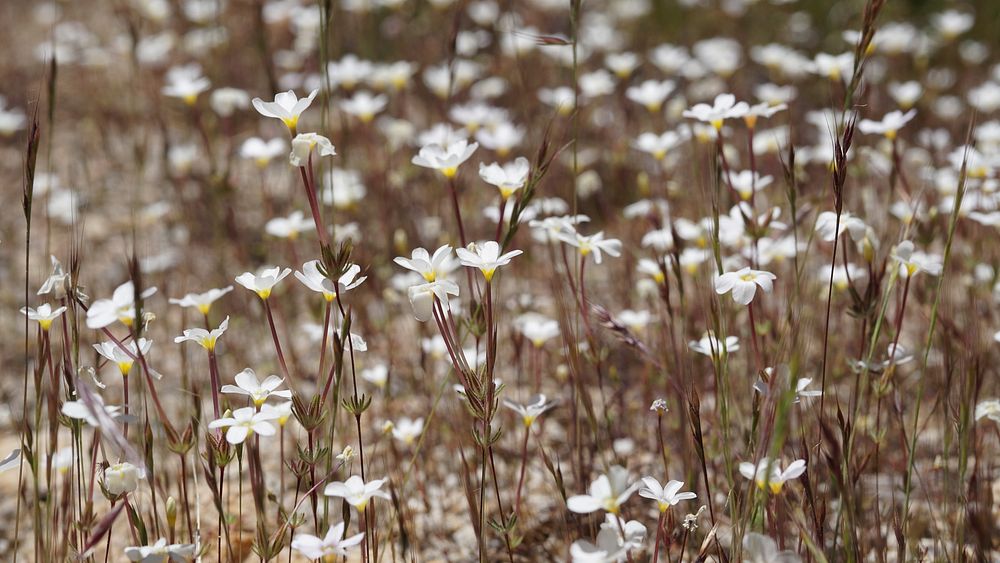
205	338
430	267
508	178
332	545
990	409
711	346
486	257
610	546
423	296
121	307
364	105
776	480
161	552
311	277
659	145
289	227
356	492
262	152
890	125
743	284
123	355
594	244
407	431
665	495
286	106
263	282
912	262
651	93
244	422
445	159
535	407
607	492
80	411
44	314
202	301
185	82
724	107
303	145
377	375
258	391
122	478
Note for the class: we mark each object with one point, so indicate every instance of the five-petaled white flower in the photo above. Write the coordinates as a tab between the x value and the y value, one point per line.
486	257
258	391
244	422
356	492
206	338
121	307
161	552
508	178
44	314
445	159
331	546
535	407
776	480
912	262
311	277
743	284
202	301
430	267
263	281
665	495
607	492
286	106
723	107
123	355
890	125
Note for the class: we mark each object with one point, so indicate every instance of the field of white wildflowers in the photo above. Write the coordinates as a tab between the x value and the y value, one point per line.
500	281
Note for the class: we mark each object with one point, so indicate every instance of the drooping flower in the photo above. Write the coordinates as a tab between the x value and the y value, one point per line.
258	391
304	143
